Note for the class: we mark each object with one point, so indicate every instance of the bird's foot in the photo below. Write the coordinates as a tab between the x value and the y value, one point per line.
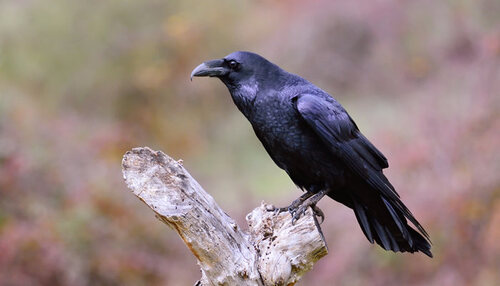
311	202
292	207
301	210
297	211
298	207
280	210
276	210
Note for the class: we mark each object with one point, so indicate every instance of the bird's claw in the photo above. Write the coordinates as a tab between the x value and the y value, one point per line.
297	211
276	210
318	213
301	210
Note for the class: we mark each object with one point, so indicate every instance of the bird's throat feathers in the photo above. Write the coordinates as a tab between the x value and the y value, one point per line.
244	95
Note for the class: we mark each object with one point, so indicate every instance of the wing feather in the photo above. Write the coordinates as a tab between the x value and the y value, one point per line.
339	132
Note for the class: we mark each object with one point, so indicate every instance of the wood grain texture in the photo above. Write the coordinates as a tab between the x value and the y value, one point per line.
273	252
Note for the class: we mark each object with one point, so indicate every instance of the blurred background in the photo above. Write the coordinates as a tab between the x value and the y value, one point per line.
82	82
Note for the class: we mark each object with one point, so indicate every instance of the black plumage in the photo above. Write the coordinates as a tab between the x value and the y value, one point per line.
309	134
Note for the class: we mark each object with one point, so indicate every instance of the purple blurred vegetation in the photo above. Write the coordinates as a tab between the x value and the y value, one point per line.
81	82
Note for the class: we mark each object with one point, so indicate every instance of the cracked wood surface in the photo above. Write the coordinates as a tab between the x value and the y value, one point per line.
273	252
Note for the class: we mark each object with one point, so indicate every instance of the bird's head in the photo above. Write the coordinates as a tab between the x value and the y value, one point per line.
236	69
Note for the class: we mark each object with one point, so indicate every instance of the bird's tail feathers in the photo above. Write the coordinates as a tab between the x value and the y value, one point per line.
388	227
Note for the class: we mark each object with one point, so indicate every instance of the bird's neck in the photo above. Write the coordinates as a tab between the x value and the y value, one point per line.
244	96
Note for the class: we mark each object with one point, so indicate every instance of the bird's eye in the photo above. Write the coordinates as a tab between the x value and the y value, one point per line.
233	64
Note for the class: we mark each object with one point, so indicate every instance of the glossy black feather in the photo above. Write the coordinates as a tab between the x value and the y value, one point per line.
360	213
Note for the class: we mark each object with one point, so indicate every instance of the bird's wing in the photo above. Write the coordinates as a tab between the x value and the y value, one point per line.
340	134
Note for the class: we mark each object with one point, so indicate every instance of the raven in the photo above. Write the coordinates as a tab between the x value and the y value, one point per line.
313	139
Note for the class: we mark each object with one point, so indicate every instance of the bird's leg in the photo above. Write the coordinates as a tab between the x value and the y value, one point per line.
310	202
294	205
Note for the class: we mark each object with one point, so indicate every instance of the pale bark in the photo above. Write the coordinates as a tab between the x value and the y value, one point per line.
274	252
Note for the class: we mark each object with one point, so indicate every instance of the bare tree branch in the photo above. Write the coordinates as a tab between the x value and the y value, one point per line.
275	252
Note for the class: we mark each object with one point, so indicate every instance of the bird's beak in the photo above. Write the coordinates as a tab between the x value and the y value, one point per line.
210	68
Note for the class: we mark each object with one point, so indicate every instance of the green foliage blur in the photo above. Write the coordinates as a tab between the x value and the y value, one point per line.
82	82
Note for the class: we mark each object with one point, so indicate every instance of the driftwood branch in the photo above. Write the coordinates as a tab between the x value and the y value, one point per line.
273	252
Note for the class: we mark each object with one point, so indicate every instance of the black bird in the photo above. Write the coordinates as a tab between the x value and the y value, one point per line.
309	134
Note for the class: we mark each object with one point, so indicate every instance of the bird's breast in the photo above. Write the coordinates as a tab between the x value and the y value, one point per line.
276	122
290	142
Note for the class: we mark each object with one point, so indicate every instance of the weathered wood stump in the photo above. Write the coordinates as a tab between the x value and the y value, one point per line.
273	252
